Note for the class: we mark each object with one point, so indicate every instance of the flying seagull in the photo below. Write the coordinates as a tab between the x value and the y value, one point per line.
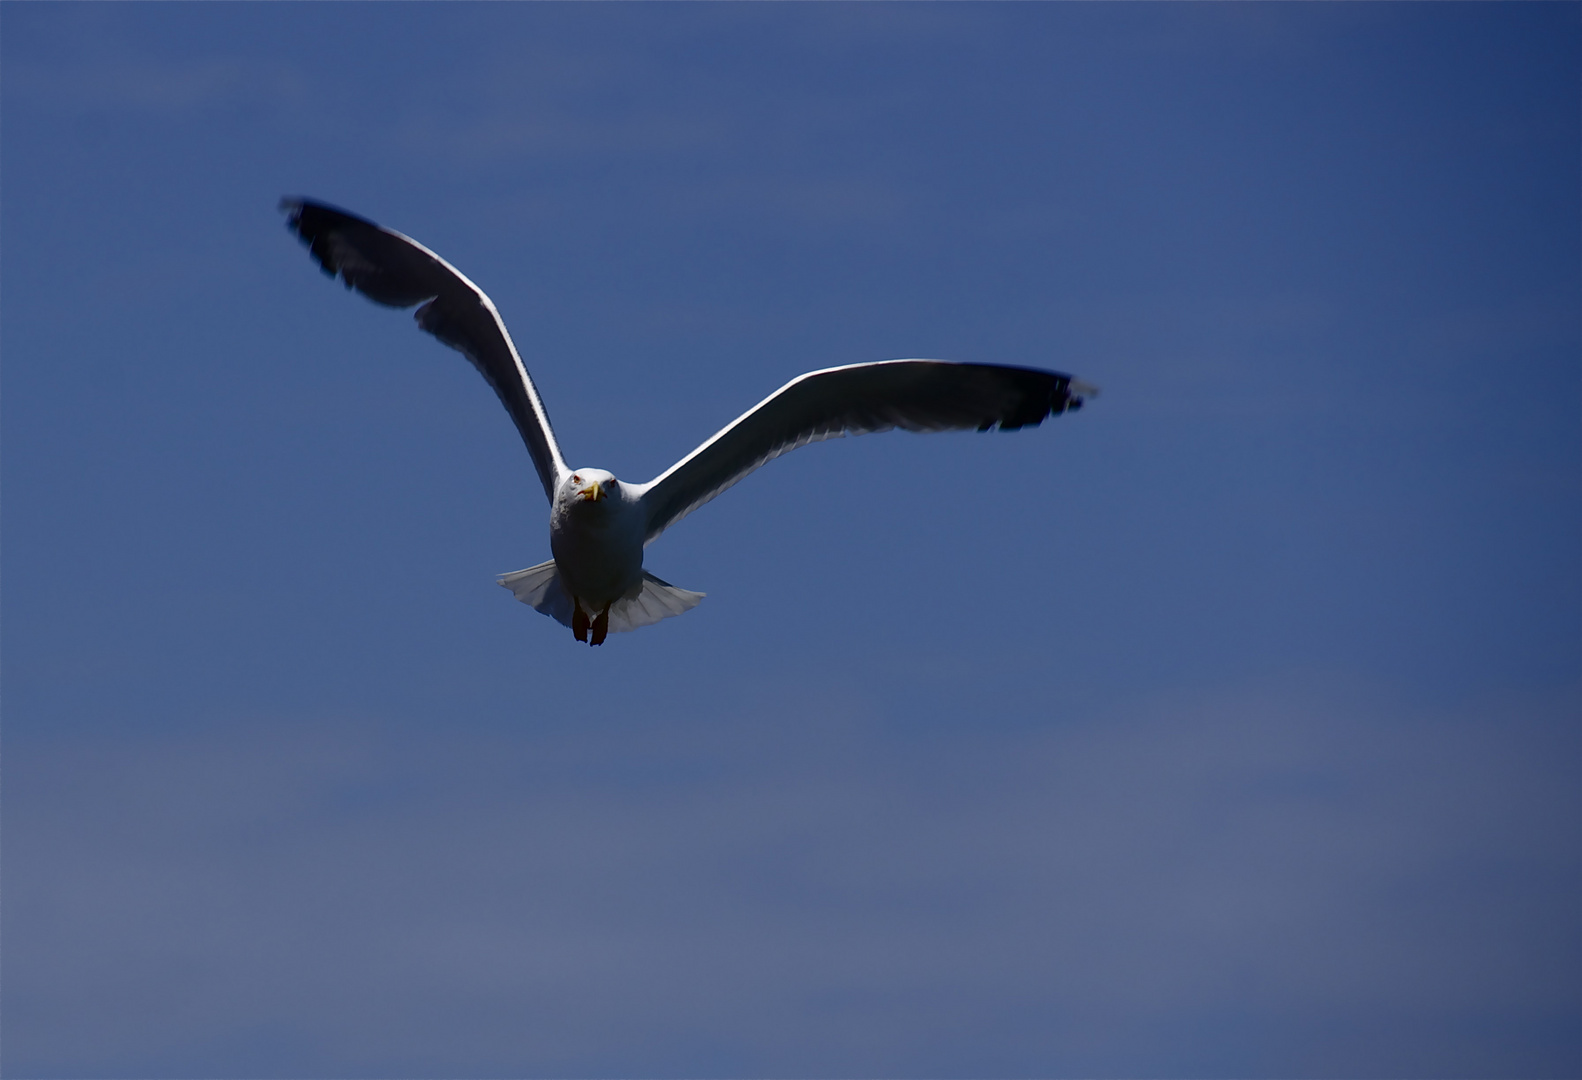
598	525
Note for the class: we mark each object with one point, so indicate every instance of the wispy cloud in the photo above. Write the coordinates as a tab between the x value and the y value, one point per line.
149	87
820	889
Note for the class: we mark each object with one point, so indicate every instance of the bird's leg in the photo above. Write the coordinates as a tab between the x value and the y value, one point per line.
601	627
579	620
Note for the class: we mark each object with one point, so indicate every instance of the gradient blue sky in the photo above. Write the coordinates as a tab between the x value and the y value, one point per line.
1229	727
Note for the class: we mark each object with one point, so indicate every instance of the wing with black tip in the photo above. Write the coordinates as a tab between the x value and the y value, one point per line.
397	271
913	395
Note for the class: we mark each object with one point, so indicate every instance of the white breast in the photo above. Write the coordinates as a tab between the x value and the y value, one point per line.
598	547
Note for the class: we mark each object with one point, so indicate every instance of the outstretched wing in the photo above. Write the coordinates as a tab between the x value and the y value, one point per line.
397	271
914	395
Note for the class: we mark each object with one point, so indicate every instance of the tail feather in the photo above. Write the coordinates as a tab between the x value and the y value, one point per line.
539	587
655	600
645	604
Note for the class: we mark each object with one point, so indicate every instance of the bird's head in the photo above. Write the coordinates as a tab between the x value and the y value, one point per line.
589	486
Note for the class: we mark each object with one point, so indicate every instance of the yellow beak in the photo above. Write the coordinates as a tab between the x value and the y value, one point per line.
593	492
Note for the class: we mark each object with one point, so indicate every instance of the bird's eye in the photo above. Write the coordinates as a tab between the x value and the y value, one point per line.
575	479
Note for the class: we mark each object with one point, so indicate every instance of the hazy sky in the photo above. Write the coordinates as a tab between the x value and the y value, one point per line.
1228	727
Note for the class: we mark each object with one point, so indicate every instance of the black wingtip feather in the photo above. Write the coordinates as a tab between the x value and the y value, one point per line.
311	215
1042	394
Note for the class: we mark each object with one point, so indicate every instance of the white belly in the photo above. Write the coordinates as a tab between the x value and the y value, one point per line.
598	549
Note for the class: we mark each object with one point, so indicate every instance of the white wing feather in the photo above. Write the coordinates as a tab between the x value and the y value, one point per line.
914	395
397	271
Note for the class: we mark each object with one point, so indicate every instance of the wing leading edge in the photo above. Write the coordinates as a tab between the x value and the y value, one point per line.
913	395
397	271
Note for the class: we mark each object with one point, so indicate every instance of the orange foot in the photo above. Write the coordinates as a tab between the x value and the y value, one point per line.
601	627
579	621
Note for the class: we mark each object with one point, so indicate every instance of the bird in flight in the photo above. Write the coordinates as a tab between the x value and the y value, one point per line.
598	525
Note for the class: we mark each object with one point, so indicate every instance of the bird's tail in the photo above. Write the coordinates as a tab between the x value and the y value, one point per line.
652	601
539	587
649	601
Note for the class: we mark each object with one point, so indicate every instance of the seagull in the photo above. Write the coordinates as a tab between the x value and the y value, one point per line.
598	525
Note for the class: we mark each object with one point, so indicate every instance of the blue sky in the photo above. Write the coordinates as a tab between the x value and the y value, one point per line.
1227	727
